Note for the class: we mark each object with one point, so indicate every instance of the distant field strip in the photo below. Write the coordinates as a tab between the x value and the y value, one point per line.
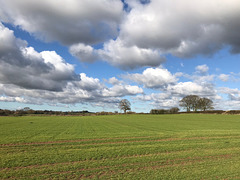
186	149
118	140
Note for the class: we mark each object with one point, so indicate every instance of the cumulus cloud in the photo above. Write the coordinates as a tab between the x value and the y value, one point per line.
228	105
12	99
154	97
204	79
187	88
122	90
88	90
202	69
183	28
150	31
162	79
224	77
89	83
153	78
141	36
160	100
117	53
231	77
28	76
226	90
84	53
201	75
231	100
68	22
114	81
172	91
25	67
172	94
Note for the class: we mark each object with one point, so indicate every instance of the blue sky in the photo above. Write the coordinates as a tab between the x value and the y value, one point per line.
92	54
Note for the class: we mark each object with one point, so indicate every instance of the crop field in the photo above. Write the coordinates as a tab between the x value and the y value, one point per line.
183	146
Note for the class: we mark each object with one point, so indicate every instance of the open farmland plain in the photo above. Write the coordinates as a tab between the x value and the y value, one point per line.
184	146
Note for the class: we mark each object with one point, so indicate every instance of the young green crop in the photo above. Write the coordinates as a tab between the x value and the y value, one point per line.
184	146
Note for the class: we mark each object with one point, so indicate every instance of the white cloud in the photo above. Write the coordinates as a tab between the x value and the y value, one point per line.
228	105
12	99
231	101
114	81
27	68
201	75
84	53
118	54
202	69
87	91
188	88
122	90
66	21
29	76
173	91
199	79
159	100
141	36
129	57
224	77
89	83
172	94
226	90
183	28
153	78
231	77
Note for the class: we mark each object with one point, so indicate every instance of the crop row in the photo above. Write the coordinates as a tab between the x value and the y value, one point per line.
99	158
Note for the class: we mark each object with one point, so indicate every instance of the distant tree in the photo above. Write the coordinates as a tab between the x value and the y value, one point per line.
124	105
159	111
154	111
190	102
26	109
174	110
194	102
205	103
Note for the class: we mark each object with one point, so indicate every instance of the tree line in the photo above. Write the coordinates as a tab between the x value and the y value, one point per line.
173	110
27	111
190	103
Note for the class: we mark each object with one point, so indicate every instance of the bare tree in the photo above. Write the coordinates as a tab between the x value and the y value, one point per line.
205	103
190	102
124	105
194	102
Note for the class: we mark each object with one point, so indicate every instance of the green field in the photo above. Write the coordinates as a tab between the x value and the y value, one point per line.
184	146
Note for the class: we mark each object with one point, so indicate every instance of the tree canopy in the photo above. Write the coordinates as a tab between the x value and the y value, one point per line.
124	105
194	102
205	103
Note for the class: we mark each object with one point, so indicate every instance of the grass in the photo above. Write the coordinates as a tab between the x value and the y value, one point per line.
185	146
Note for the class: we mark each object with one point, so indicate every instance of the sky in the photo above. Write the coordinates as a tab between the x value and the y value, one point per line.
71	55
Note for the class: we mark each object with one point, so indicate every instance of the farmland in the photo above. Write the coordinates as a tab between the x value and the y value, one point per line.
182	146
